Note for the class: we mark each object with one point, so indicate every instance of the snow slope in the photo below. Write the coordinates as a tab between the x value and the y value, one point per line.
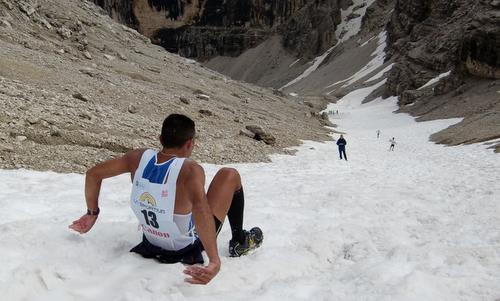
419	223
345	30
376	62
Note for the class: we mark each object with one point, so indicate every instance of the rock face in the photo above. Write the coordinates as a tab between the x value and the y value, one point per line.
481	50
429	37
119	10
203	29
432	37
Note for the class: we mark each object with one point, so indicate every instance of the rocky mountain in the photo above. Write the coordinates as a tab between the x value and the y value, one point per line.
459	37
272	42
205	29
77	88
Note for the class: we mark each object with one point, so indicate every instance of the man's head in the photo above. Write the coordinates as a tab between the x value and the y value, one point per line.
177	130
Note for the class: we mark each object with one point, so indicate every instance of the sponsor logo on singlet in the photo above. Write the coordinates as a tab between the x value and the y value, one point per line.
155	232
147	201
147	198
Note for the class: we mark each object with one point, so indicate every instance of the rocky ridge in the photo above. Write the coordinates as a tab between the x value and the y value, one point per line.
460	38
77	88
205	29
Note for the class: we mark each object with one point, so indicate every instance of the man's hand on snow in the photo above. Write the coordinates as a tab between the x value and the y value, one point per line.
84	224
201	274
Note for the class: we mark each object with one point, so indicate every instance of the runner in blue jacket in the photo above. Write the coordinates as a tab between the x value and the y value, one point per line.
342	143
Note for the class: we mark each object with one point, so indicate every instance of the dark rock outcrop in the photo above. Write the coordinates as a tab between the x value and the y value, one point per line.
204	42
203	29
119	10
429	37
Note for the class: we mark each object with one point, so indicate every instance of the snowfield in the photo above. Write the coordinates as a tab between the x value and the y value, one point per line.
419	223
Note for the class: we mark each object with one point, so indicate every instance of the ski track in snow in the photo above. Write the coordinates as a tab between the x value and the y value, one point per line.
419	223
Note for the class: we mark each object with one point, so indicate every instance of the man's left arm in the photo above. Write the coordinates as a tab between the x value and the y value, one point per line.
205	227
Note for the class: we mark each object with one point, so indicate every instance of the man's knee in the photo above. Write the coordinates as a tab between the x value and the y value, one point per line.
229	173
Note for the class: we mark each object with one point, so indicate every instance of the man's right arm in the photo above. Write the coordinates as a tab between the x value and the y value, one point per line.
93	180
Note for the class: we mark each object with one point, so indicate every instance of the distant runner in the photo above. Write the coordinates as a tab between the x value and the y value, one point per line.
177	218
393	143
342	143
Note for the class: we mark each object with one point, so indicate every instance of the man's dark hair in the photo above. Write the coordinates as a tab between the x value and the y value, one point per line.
176	130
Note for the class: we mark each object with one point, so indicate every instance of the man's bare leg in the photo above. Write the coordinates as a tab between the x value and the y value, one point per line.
221	191
225	198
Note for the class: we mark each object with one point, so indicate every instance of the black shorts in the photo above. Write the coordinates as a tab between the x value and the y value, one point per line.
188	255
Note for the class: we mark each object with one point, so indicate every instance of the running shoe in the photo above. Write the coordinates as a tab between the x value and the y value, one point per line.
253	240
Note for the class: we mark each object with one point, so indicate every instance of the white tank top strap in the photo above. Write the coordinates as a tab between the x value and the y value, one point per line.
145	158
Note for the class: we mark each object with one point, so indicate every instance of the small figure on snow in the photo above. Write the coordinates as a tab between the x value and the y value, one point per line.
393	143
378	134
342	143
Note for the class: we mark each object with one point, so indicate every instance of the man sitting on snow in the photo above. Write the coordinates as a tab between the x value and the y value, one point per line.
177	218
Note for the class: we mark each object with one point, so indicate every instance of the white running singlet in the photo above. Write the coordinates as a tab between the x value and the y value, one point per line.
153	202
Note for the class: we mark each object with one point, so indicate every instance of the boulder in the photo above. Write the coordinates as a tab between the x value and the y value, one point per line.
184	100
309	104
79	96
64	32
89	71
132	109
26	8
203	97
21	138
33	120
7	4
87	55
278	93
247	133
122	56
6	24
261	135
206	112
